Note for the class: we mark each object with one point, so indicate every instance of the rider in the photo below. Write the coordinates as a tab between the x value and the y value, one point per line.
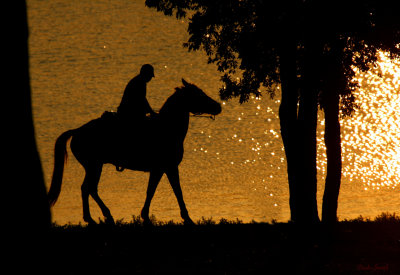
134	105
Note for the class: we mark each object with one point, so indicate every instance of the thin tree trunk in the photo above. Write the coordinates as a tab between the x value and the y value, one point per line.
307	143
330	104
334	160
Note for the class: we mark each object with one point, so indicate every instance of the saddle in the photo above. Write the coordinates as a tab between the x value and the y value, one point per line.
109	115
125	129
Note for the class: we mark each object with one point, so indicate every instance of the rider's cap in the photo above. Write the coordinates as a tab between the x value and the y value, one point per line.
147	69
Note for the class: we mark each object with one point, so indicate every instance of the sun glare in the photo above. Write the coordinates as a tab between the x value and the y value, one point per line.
371	137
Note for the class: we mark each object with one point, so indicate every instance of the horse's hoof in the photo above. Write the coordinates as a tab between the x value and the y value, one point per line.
188	222
109	221
92	224
144	214
147	223
90	221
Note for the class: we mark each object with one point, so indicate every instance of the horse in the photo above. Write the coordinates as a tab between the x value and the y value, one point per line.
154	146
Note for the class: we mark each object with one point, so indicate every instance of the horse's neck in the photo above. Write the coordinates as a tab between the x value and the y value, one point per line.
177	126
174	120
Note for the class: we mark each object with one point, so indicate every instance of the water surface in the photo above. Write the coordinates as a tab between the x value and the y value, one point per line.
83	53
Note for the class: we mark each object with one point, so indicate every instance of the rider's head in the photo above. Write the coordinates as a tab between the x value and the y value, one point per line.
147	72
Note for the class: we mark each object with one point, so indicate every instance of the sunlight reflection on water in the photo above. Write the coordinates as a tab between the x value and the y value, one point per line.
371	137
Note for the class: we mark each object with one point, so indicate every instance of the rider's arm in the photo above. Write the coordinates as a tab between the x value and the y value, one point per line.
147	107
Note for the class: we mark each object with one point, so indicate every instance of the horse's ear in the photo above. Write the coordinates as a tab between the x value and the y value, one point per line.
185	83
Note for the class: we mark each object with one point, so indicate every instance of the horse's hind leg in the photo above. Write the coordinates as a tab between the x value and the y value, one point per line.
89	187
89	178
104	209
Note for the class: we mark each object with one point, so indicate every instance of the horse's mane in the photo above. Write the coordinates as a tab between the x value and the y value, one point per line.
172	98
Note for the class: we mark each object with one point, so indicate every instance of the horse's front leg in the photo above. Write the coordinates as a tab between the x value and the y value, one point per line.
155	177
173	177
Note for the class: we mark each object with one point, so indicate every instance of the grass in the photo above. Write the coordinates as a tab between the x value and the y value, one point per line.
384	217
357	246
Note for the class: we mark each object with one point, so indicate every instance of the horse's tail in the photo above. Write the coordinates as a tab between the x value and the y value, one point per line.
60	157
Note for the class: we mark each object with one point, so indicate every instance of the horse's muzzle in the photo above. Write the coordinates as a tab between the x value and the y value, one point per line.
217	110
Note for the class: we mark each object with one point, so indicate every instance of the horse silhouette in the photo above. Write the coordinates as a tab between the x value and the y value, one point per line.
154	146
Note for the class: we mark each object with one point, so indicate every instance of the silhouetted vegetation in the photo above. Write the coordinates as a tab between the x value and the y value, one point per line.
308	47
227	247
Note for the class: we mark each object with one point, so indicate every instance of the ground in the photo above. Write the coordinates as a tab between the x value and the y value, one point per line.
350	247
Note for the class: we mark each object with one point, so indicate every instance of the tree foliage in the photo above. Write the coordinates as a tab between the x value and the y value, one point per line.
244	38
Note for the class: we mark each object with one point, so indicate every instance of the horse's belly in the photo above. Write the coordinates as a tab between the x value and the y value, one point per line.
147	158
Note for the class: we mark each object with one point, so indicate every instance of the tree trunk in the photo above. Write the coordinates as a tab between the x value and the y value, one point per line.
330	104
24	160
288	122
298	120
27	213
307	143
334	160
307	133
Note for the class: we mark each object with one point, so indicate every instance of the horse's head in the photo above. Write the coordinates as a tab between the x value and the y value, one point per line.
197	102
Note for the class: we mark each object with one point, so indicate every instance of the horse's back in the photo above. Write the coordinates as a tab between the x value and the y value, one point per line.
133	145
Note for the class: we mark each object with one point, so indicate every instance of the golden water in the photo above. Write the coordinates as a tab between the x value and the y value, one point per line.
83	53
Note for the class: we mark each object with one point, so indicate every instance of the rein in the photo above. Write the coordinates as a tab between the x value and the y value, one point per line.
203	116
